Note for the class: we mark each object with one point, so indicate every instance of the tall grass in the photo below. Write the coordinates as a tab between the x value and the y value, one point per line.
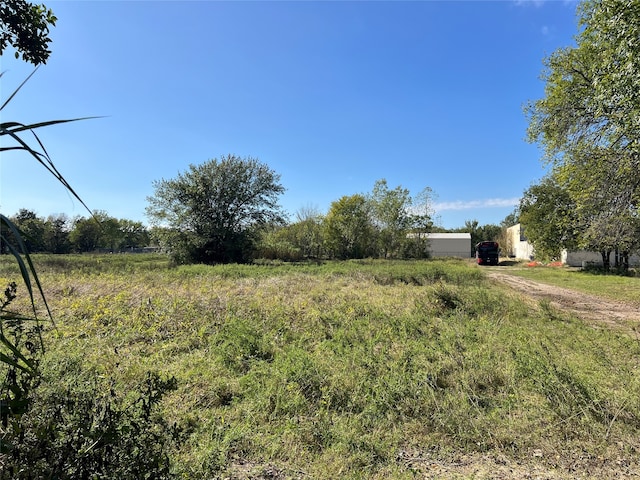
344	370
51	427
18	352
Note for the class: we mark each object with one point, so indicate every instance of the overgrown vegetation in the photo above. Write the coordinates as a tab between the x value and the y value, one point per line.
82	428
345	369
323	370
378	224
51	427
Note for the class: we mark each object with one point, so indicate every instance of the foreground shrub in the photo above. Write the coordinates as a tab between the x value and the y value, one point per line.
80	432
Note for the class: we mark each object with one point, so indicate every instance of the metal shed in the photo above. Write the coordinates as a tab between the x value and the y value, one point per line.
450	244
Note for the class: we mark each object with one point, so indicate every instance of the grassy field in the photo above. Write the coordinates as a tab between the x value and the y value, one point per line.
361	369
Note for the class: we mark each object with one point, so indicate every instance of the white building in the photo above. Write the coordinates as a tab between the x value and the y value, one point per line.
582	258
517	245
519	248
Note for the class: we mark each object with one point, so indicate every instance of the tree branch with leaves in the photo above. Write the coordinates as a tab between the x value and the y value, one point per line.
25	26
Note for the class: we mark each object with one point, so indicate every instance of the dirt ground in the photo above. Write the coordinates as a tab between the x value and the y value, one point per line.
496	467
467	467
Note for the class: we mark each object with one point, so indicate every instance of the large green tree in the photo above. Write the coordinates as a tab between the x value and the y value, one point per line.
212	212
133	234
547	213
592	93
589	120
392	216
56	235
86	234
349	231
32	229
25	27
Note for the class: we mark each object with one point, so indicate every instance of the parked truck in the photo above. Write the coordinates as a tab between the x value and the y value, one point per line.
487	253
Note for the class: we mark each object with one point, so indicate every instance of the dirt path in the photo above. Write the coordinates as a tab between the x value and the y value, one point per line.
596	310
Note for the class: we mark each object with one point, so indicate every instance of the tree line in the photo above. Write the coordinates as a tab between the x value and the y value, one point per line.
374	224
226	210
61	234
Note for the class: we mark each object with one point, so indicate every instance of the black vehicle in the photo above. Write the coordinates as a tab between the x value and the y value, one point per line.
487	253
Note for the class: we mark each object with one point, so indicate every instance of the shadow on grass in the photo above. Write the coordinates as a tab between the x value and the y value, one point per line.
617	271
509	263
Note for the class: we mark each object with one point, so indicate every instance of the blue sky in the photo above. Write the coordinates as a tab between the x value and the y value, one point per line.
332	95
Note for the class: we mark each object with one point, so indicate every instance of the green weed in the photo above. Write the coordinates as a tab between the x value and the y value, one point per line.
336	369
